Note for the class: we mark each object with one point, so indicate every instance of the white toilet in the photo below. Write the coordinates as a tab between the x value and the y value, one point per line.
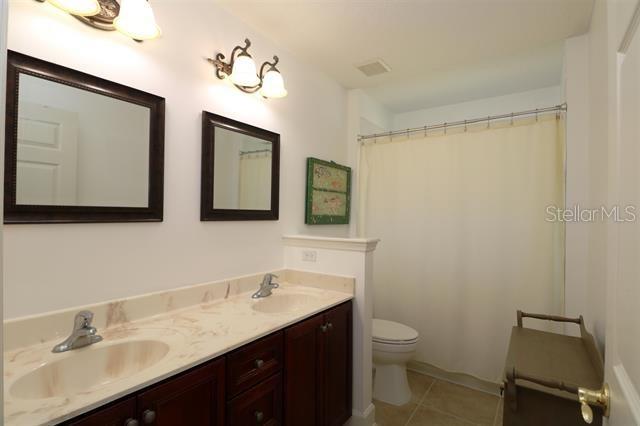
394	345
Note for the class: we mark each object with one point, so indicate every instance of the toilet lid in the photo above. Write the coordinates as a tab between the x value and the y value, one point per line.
389	331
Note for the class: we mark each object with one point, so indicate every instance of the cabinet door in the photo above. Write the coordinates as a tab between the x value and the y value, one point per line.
303	345
195	399
261	405
118	414
337	365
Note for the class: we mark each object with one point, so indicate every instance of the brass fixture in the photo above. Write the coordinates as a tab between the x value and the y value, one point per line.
599	398
587	397
241	70
107	14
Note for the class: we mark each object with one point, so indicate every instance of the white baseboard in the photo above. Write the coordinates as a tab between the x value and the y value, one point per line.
457	378
367	418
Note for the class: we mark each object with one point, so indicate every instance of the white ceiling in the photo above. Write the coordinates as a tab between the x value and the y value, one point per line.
439	51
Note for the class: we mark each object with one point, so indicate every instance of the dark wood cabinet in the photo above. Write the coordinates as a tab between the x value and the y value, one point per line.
318	369
195	399
118	414
337	370
299	376
303	373
260	405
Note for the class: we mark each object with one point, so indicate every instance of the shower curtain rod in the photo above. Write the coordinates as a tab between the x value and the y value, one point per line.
445	126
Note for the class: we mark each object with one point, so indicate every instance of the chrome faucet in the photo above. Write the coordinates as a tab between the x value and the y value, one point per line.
266	286
83	334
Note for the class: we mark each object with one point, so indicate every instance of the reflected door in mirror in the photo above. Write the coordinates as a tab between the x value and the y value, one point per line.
78	148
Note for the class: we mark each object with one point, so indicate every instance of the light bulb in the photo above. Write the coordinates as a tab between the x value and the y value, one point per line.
136	20
244	71
273	85
78	7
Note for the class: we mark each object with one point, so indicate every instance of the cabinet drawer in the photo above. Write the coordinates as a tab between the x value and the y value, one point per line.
254	363
260	406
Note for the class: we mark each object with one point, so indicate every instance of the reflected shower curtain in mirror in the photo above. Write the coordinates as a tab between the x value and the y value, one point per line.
255	170
465	240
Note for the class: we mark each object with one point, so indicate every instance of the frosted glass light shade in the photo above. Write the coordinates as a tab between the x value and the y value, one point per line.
136	20
244	72
273	85
78	7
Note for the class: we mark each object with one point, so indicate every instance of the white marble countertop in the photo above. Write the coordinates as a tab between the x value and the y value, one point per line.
194	334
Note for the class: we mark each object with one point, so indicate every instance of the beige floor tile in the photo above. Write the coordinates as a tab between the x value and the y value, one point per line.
426	416
392	415
419	384
468	404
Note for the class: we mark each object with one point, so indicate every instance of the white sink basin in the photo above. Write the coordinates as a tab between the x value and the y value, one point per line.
90	367
279	303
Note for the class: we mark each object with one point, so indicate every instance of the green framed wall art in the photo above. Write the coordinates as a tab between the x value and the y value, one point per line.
328	193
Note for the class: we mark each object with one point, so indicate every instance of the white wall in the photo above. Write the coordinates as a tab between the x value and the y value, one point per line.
68	265
601	71
576	94
514	102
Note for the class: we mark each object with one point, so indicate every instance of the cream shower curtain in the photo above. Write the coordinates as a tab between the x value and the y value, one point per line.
464	240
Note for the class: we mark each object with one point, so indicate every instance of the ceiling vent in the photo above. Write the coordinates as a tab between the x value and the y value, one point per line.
374	67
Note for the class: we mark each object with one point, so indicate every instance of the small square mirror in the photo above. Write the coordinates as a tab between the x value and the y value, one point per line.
240	170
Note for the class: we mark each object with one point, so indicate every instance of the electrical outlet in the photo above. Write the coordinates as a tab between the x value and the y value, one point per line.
309	255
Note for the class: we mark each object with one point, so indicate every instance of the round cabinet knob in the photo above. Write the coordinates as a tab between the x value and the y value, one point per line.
323	328
148	416
259	363
131	422
330	326
259	416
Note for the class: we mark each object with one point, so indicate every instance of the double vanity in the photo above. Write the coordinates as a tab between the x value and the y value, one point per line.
208	354
83	149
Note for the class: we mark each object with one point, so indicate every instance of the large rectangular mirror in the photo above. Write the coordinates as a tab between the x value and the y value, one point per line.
240	170
80	148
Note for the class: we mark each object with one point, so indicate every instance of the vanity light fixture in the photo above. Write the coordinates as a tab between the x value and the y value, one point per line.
78	7
242	71
133	18
136	19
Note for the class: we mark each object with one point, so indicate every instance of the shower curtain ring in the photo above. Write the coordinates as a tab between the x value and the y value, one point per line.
465	125
389	136
488	119
445	127
425	131
512	119
536	114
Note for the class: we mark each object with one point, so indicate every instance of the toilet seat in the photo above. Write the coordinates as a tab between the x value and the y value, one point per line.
392	333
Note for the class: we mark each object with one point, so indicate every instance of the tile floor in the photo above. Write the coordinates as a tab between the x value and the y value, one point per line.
438	403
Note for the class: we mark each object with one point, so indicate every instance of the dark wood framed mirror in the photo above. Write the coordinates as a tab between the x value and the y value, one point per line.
80	148
240	170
